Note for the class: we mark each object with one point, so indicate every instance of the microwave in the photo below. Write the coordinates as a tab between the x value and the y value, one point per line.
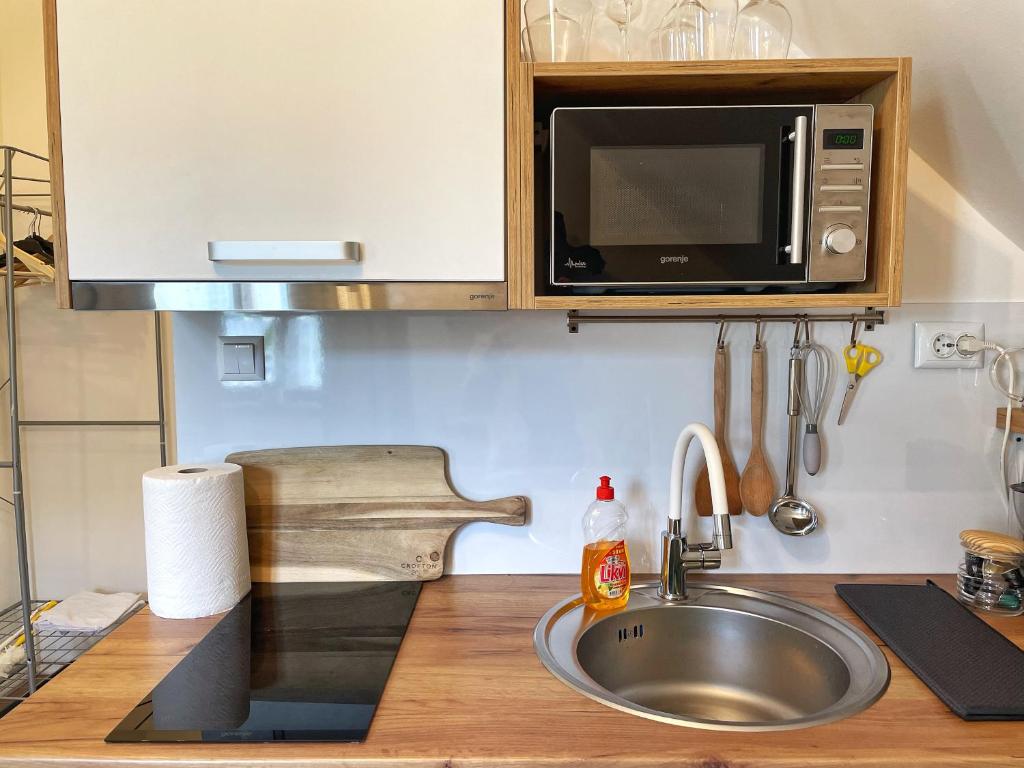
691	199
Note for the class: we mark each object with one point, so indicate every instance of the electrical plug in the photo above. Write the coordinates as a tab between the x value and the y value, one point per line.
968	345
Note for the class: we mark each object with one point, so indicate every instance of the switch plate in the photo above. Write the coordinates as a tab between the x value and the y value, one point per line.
935	344
240	358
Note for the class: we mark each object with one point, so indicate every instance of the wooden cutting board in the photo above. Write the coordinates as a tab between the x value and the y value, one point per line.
356	513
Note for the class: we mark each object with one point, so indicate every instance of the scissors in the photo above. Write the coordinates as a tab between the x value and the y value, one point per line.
860	361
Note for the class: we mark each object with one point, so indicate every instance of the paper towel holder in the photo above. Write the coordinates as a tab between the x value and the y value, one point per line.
191	470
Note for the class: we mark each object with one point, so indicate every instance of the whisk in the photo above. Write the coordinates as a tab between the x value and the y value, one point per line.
814	399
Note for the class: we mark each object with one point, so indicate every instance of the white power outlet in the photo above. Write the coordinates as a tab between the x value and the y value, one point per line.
935	344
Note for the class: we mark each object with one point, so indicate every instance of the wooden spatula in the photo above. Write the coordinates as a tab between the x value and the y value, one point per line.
702	490
757	485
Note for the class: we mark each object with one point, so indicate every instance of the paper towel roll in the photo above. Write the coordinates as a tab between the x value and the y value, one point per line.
197	558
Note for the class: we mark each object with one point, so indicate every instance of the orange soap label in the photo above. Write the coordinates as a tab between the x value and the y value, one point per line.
611	576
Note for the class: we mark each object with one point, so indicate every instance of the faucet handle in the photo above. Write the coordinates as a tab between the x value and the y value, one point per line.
702	557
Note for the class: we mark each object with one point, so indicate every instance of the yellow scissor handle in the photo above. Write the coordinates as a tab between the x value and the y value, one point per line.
861	359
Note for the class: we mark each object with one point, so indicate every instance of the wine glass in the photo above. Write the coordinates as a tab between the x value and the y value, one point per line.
555	38
722	27
581	11
684	32
665	38
763	31
623	14
557	30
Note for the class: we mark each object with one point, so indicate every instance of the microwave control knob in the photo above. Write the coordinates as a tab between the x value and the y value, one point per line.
840	239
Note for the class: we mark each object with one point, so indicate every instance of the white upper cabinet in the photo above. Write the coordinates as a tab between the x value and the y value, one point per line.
259	139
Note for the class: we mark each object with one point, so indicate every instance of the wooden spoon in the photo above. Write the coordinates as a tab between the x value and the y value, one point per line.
702	490
757	485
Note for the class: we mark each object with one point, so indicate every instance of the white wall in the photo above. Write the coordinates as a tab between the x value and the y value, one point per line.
968	102
83	492
23	94
82	485
523	407
954	254
957	164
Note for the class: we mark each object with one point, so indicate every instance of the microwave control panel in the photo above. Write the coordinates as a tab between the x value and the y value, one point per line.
840	193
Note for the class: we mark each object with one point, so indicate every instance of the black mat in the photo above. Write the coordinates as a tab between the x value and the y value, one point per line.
977	672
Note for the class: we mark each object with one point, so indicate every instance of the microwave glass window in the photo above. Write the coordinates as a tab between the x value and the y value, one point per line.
676	195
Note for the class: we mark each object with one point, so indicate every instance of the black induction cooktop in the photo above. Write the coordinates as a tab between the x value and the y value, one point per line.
291	662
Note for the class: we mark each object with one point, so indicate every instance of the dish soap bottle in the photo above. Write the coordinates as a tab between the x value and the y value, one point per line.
604	578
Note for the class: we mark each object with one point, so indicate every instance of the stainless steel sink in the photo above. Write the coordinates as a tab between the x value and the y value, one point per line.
723	659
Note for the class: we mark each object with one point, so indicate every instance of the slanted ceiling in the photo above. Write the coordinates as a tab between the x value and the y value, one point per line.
968	85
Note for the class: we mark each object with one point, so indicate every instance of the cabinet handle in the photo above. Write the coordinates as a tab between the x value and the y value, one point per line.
285	250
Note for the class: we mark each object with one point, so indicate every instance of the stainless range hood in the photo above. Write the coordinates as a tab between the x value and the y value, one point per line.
256	296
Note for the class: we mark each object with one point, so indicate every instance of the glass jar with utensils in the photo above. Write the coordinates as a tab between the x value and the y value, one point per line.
557	30
990	576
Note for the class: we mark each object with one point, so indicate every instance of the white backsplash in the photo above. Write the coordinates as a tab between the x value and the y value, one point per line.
523	407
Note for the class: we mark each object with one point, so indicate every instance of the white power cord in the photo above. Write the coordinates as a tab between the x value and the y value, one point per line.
969	346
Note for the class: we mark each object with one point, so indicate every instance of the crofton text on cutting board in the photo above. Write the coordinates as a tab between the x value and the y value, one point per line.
356	513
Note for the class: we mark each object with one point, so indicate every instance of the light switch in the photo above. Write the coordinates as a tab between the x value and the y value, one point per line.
230	359
241	358
245	357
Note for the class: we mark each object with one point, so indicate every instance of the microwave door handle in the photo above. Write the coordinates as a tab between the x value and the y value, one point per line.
797	223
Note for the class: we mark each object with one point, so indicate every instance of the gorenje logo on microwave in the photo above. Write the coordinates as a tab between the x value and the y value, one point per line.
575	264
675	259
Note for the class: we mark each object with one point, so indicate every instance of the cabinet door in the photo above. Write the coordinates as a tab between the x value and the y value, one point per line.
297	125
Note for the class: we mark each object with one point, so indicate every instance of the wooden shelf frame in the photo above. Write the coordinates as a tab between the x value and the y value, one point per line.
62	280
532	89
1016	420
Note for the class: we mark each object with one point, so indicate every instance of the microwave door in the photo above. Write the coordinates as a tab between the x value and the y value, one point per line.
664	197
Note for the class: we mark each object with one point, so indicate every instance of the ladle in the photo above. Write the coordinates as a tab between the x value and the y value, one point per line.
789	514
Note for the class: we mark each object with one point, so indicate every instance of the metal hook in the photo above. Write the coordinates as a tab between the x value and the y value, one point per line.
797	328
807	330
36	220
853	331
757	333
721	333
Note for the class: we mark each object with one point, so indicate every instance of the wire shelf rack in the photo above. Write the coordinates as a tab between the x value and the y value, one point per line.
54	652
47	653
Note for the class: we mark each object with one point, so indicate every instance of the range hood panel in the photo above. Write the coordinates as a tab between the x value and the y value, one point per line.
287	296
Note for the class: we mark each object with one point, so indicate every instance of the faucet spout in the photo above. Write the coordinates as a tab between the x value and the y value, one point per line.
678	556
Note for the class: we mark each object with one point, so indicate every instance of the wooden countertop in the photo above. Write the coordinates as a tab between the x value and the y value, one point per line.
468	691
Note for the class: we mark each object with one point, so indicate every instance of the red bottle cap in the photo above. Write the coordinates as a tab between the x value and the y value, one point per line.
605	492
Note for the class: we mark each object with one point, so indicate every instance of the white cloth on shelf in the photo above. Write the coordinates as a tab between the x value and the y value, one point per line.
88	611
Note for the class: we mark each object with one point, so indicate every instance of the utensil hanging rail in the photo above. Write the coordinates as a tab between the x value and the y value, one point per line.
867	320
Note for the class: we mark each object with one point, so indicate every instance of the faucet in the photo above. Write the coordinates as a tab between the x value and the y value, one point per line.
677	556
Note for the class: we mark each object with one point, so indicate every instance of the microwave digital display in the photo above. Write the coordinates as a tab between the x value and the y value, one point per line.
843	138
